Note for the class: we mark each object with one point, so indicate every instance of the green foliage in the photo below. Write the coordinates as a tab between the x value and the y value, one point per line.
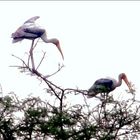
38	119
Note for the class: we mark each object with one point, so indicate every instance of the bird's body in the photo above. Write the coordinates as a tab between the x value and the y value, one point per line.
23	32
29	30
106	85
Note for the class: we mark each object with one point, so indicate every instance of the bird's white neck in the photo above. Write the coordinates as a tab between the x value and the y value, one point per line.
119	82
52	40
45	39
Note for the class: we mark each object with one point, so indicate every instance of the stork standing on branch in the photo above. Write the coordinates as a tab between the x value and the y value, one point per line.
106	85
29	30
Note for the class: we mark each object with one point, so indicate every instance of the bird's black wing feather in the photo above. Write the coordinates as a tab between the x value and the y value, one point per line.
107	84
36	31
104	81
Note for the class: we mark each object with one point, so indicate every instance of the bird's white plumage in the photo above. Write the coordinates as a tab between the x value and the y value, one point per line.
29	30
106	85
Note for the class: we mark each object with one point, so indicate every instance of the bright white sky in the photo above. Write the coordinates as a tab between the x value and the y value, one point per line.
98	39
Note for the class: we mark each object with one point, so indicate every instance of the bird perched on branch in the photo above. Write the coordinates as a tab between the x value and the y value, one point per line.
29	30
106	85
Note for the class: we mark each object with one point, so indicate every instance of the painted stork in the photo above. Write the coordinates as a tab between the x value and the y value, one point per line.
29	30
106	85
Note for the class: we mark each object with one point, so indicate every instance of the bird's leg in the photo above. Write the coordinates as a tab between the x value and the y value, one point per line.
103	95
31	52
31	55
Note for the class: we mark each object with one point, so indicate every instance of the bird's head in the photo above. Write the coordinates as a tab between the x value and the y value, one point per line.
56	42
124	77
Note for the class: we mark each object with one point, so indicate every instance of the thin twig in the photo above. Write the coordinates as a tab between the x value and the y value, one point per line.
77	90
44	53
86	105
47	76
20	60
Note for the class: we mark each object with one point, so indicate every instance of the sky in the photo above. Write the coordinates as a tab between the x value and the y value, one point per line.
98	39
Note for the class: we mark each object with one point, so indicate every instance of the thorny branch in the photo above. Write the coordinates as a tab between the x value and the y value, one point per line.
30	67
45	78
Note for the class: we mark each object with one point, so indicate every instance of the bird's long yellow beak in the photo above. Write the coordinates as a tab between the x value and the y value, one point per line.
59	48
127	83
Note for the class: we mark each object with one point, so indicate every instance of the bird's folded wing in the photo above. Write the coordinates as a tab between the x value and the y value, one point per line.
35	30
103	81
